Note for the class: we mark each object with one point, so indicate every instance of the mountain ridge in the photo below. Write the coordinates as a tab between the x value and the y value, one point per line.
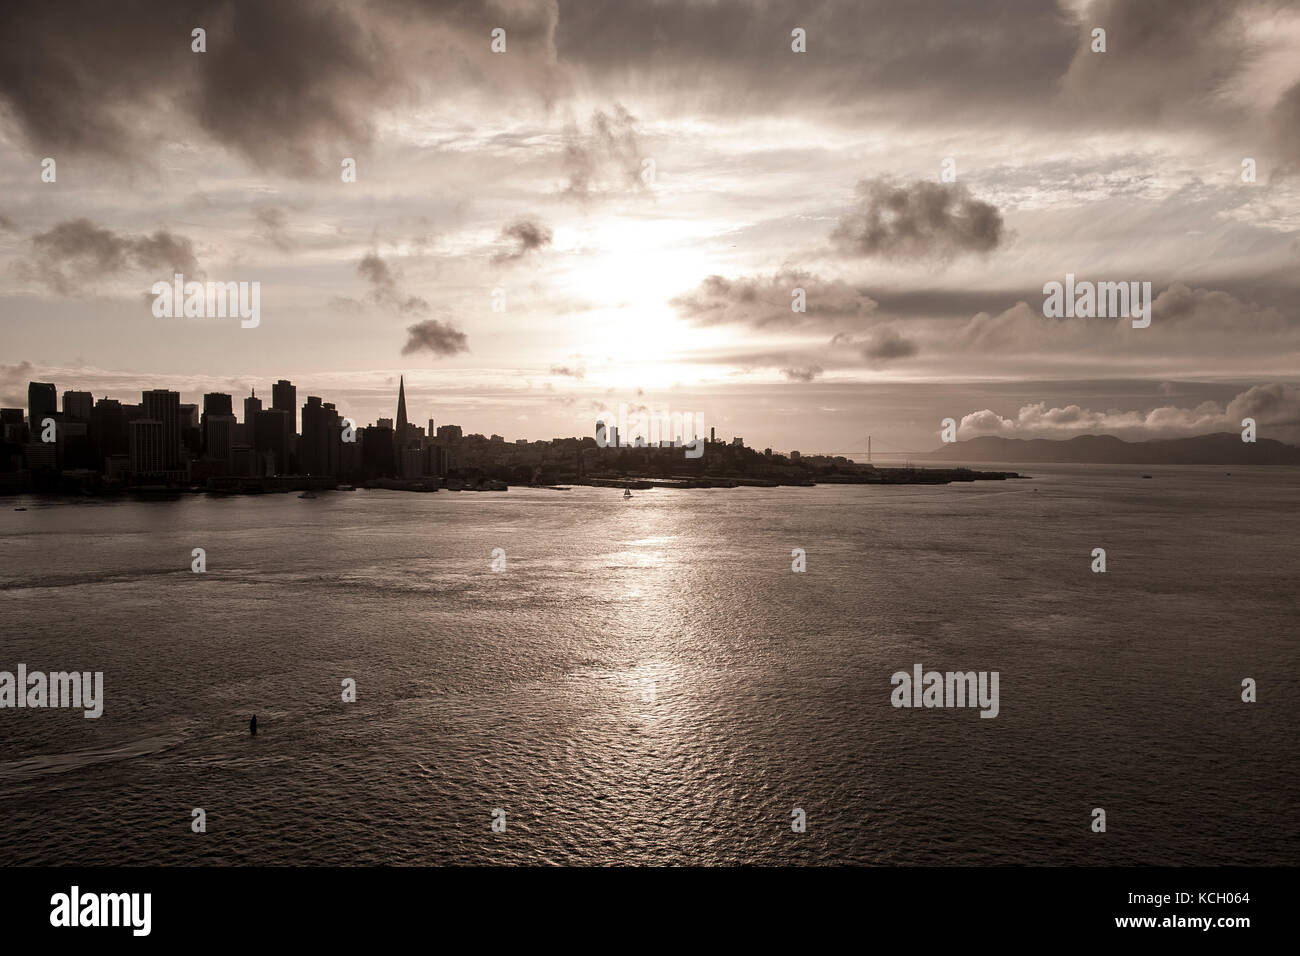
1219	448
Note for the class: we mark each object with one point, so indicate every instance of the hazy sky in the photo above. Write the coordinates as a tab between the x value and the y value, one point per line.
647	183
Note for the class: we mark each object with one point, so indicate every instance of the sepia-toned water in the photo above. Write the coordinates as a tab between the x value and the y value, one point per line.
648	681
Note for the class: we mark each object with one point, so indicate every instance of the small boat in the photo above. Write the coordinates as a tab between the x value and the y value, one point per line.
307	494
627	493
20	509
1146	476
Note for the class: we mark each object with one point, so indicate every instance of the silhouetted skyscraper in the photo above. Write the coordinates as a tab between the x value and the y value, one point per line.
400	430
148	446
252	405
42	402
284	396
163	406
216	404
77	406
317	454
272	433
108	429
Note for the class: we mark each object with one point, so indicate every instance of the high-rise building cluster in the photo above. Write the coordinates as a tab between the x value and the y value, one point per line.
162	440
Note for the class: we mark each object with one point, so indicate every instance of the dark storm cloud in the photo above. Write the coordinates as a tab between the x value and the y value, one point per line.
922	220
762	301
77	251
385	290
440	338
1163	57
739	51
1286	124
525	236
293	85
280	82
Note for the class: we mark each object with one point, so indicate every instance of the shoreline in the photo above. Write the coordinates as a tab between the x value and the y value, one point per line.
288	484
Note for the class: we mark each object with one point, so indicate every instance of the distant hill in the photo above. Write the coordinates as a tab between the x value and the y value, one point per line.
1221	448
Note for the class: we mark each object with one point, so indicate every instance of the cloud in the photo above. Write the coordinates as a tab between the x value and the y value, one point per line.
440	338
527	236
272	222
292	86
1285	120
73	253
609	154
1185	323
385	290
13	383
734	56
577	372
1274	404
295	85
1164	59
923	220
762	301
882	344
802	374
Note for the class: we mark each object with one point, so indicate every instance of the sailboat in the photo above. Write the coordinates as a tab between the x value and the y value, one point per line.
627	493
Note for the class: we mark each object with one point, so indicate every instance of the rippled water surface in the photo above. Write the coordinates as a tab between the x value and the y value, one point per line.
648	681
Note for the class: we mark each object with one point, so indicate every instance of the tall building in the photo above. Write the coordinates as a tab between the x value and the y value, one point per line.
77	406
252	405
42	402
219	437
321	433
14	429
400	430
108	429
271	429
149	446
215	404
163	406
284	396
377	452
218	403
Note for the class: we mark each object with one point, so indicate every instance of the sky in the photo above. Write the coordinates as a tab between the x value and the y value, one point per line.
619	207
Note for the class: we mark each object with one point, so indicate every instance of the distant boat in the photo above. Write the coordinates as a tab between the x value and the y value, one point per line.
1146	476
627	492
307	494
20	509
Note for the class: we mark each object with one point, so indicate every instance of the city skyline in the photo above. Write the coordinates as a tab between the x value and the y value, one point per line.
623	205
654	434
